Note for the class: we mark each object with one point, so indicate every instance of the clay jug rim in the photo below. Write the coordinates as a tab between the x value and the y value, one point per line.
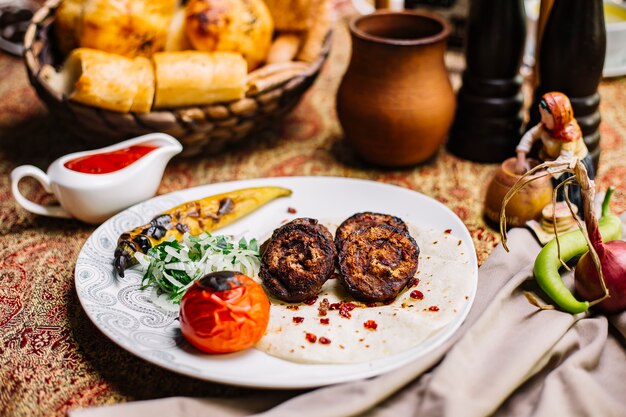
425	40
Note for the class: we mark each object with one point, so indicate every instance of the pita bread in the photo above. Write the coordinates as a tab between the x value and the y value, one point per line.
400	325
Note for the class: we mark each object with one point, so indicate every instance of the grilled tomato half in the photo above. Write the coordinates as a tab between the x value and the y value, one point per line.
224	312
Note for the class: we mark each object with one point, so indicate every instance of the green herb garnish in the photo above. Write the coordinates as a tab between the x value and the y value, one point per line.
171	267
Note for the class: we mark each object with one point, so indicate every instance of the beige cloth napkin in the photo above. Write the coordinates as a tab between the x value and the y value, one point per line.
508	359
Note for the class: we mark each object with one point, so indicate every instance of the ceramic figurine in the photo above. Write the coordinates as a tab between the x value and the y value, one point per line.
561	139
571	58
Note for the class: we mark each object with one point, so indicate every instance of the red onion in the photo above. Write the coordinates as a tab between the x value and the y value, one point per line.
594	277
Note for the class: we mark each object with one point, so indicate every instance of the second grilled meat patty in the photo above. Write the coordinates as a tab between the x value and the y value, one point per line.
376	262
360	220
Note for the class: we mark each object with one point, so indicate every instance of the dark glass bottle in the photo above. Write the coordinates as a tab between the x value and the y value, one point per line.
571	61
489	114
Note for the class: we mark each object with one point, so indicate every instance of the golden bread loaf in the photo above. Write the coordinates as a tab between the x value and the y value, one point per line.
115	59
109	81
292	15
243	26
67	24
144	73
316	35
126	27
176	37
273	75
284	48
170	79
188	78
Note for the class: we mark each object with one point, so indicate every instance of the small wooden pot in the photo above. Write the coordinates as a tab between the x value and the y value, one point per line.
526	204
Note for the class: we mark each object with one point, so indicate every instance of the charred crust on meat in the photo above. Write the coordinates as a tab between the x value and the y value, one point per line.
365	219
299	258
377	262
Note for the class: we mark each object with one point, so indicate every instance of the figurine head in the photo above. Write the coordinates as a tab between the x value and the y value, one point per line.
557	116
556	110
546	116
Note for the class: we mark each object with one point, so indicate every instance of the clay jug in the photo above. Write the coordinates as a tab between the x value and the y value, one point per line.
395	102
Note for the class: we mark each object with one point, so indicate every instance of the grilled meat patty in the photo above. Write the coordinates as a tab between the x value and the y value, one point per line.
298	259
376	262
365	219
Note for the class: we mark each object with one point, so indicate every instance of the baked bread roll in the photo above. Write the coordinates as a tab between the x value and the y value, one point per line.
188	78
284	48
272	75
109	81
243	26
176	37
292	15
144	72
126	27
316	35
67	24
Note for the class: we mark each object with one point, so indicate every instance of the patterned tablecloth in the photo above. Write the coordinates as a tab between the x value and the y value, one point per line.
53	359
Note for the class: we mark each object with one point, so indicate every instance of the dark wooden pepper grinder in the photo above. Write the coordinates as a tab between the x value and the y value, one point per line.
571	61
489	115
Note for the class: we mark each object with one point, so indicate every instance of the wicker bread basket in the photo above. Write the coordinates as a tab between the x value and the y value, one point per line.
201	129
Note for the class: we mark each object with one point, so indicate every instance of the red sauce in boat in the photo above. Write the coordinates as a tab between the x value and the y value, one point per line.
106	162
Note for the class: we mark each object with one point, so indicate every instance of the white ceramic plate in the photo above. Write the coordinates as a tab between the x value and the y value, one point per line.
125	314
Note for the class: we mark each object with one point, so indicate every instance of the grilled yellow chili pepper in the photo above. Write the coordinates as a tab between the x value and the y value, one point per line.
195	217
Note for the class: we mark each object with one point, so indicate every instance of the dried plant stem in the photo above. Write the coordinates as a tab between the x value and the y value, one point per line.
555	166
565	185
532	299
577	168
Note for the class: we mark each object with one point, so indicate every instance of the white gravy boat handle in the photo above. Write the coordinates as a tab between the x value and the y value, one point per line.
32	171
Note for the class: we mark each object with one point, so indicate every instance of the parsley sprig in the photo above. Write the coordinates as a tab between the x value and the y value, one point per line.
171	267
